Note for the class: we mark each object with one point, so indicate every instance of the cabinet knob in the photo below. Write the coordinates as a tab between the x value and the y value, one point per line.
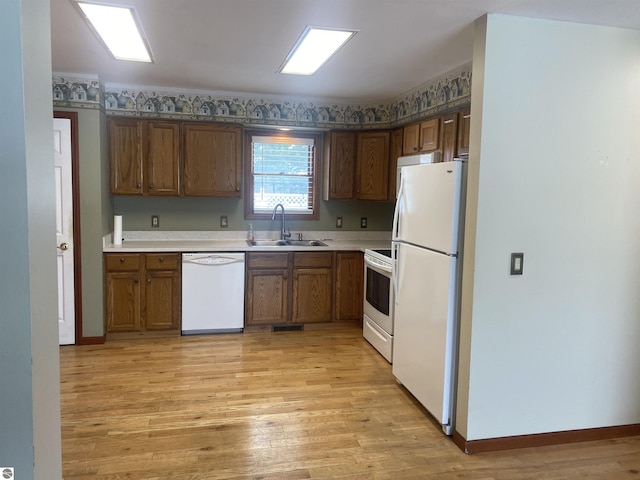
152	186
161	259
138	185
148	280
237	189
122	259
284	276
135	281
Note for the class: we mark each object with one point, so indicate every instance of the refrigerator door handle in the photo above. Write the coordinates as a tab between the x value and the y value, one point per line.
396	212
395	275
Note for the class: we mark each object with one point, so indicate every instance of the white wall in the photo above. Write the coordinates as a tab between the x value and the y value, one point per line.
29	362
555	173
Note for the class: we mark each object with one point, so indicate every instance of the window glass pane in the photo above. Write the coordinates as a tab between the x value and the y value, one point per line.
282	172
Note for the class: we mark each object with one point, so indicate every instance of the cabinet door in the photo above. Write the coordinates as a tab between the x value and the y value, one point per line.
267	297
429	135
372	180
349	285
212	160
123	301
341	165
312	295
411	139
162	158
449	136
395	152
125	156
162	300
463	132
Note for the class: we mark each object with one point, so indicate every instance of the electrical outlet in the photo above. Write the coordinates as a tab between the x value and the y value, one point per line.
224	222
339	222
363	222
155	221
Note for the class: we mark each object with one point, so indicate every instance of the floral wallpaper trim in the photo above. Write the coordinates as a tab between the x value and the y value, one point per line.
447	91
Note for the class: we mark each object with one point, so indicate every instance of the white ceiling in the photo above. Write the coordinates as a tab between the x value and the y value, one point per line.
237	45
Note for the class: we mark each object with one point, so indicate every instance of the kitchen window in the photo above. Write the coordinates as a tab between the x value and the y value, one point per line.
281	168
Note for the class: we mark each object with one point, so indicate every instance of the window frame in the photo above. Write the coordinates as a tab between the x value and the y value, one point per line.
317	137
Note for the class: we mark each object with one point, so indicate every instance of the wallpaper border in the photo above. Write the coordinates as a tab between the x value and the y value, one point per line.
445	92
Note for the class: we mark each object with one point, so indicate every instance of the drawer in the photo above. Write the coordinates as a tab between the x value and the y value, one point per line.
267	260
125	262
313	259
162	261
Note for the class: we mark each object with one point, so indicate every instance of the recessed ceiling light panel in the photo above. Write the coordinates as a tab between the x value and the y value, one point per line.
314	48
119	29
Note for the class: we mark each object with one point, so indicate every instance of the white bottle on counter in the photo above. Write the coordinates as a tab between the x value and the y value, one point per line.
250	234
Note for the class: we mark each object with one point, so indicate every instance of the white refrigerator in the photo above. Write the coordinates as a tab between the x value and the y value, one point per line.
426	249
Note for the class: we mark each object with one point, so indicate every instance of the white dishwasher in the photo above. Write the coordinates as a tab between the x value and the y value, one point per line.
212	293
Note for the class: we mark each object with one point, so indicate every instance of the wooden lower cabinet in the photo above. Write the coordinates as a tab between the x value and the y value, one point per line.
267	297
143	292
349	285
272	299
312	287
123	301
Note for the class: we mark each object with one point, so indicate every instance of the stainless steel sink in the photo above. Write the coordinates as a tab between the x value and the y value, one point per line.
306	243
267	243
286	243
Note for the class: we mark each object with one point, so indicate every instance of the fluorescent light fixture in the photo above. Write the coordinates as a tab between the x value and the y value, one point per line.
314	48
119	30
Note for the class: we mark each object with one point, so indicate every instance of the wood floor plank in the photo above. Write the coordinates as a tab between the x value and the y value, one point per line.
318	404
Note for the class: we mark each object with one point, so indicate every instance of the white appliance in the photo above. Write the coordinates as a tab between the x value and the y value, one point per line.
421	159
426	248
212	293
377	319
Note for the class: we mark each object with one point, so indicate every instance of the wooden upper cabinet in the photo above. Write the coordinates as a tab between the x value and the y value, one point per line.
395	149
421	137
340	165
449	136
125	154
144	157
212	160
162	158
464	132
429	135
372	178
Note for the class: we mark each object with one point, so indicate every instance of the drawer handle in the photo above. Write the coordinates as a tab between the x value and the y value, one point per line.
466	116
122	259
448	121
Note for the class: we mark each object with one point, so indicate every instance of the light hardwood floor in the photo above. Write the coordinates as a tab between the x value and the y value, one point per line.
291	405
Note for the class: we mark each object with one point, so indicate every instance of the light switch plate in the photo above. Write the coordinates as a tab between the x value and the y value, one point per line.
363	222
224	223
155	221
339	222
517	263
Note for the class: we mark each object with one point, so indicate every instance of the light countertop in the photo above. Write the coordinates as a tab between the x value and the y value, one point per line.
181	242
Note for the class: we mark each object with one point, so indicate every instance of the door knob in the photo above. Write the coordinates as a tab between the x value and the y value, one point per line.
63	246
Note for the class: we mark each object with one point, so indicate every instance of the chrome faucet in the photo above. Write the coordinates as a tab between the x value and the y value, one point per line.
283	234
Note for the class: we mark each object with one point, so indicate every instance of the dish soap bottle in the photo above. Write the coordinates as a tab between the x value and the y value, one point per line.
250	234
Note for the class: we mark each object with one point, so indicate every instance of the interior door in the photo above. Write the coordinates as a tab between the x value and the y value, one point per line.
64	229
